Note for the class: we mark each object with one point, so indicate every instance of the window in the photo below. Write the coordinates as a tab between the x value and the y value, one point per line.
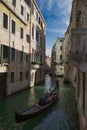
12	77
36	16
28	38
60	47
32	77
28	2
61	40
21	76
33	31
27	75
21	56
22	10
12	54
5	21
13	26
5	53
39	20
61	57
32	9
26	58
21	33
14	3
38	36
32	55
27	16
37	33
41	24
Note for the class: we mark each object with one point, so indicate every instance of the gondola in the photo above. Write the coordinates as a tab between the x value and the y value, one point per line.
36	109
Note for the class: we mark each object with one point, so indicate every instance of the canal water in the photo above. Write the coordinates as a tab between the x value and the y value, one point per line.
61	116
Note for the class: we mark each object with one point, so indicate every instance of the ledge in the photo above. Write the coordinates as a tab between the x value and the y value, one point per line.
37	63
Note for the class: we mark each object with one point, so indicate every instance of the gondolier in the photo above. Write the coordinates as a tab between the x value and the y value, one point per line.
36	109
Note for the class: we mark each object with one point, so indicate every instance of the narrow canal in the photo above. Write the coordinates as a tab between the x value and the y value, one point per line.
61	116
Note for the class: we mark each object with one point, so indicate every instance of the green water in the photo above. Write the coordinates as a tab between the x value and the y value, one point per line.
61	116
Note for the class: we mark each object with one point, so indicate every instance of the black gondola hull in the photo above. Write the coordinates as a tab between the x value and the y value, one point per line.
23	116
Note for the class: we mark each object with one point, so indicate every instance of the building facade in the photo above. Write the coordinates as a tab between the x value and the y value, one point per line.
57	57
48	65
15	45
37	45
65	56
77	57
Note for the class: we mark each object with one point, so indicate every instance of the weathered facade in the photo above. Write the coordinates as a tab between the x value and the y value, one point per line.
57	57
77	57
65	56
69	68
16	45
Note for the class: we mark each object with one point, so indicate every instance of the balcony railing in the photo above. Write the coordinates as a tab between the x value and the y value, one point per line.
36	65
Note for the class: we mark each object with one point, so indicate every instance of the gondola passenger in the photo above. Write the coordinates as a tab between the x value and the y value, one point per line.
44	100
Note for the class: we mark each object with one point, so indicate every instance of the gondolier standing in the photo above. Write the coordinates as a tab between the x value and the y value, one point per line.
35	110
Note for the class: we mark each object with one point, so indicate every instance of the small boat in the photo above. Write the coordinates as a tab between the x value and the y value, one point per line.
36	109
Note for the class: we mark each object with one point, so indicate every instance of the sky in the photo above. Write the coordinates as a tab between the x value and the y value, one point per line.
56	14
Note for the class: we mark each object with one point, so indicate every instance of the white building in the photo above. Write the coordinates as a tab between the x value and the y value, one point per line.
57	57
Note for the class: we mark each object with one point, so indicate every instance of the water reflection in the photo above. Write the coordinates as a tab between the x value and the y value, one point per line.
32	98
48	83
62	115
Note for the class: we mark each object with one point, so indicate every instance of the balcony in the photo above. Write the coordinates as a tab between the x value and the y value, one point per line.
78	55
36	65
79	60
4	68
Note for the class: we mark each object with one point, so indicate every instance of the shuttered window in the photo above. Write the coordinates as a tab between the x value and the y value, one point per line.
21	56
5	21
22	10
12	77
13	26
14	3
12	54
21	76
21	33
